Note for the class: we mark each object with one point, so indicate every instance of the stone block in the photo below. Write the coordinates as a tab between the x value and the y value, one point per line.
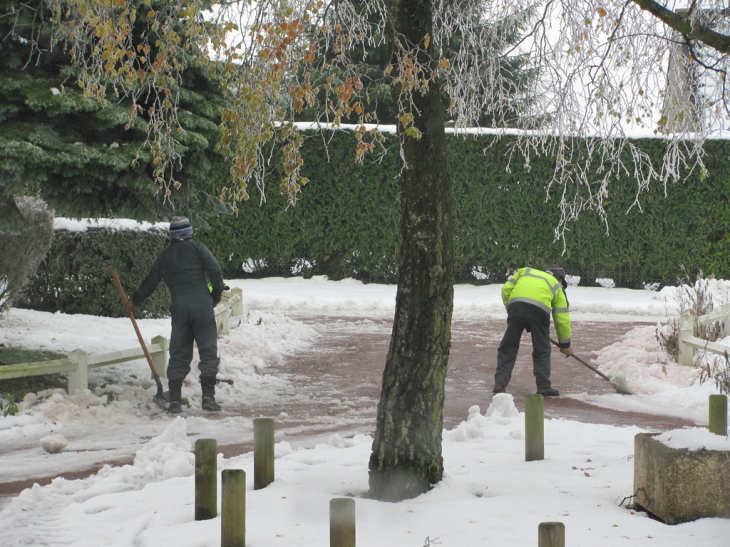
680	485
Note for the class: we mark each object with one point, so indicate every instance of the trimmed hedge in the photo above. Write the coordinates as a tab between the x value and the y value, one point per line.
75	276
346	224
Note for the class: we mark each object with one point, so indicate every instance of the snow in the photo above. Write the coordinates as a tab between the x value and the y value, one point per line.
81	225
489	495
694	439
631	132
53	444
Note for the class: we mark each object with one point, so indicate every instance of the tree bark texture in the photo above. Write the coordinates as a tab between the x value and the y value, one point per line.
406	457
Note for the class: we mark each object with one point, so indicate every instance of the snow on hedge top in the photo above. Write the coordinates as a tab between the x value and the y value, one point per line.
83	224
631	133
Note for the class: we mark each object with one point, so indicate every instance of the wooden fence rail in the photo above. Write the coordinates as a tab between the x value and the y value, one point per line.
78	362
688	342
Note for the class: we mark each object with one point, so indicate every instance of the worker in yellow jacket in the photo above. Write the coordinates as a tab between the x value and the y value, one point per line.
531	296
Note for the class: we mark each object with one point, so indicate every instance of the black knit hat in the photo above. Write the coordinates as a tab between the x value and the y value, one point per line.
180	228
558	272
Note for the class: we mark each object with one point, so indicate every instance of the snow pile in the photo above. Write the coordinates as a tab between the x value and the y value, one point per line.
660	386
501	420
169	454
53	444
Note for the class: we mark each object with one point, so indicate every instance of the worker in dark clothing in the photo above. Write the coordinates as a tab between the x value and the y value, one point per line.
185	267
530	296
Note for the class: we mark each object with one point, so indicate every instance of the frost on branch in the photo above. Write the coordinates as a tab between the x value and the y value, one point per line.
551	71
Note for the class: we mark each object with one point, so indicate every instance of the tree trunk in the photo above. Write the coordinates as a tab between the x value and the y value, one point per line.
406	458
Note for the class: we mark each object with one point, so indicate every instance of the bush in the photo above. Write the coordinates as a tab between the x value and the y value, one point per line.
8	407
75	276
21	253
718	370
697	300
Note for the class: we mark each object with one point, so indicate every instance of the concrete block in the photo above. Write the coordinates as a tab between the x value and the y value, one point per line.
680	485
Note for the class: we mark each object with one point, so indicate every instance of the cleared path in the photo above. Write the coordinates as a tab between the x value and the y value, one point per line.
341	375
334	386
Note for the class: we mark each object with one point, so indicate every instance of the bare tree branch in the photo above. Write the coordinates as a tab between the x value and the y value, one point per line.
688	25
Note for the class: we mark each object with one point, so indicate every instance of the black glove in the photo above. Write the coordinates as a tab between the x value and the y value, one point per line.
216	298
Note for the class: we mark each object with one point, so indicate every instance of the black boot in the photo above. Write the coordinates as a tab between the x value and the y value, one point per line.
209	402
175	396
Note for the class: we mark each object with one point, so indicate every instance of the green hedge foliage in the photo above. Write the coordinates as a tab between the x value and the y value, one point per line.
75	276
346	223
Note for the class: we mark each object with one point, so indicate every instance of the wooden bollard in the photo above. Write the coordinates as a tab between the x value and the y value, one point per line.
551	534
342	522
233	508
718	414
534	428
263	452
206	479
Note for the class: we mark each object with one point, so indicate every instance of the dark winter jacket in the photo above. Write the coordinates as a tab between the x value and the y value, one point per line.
185	267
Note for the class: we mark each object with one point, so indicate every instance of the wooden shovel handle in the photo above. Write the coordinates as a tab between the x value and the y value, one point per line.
134	323
582	362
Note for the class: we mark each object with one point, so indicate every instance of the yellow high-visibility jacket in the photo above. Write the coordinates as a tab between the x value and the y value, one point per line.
543	290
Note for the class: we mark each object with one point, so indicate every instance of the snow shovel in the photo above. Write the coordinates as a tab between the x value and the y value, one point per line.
618	382
159	399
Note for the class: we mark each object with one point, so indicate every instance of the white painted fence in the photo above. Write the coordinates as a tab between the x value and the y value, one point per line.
688	342
78	362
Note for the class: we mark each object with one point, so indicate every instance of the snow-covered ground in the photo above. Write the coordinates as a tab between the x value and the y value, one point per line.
490	495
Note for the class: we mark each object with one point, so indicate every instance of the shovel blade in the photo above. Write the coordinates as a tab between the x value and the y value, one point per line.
618	382
159	401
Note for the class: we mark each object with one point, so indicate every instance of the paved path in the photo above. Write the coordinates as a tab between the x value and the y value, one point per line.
341	374
334	386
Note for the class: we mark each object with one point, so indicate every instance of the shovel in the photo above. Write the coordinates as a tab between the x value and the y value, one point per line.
618	382
159	399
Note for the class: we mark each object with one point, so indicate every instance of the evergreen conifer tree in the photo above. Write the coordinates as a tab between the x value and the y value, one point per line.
77	153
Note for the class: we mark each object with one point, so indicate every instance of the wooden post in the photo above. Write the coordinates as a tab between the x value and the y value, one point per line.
551	534
534	428
237	308
225	318
723	314
686	329
206	479
225	321
221	317
78	378
718	414
263	452
159	358
233	508
342	522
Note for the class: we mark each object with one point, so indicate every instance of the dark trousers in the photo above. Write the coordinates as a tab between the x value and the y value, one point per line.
193	323
520	317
